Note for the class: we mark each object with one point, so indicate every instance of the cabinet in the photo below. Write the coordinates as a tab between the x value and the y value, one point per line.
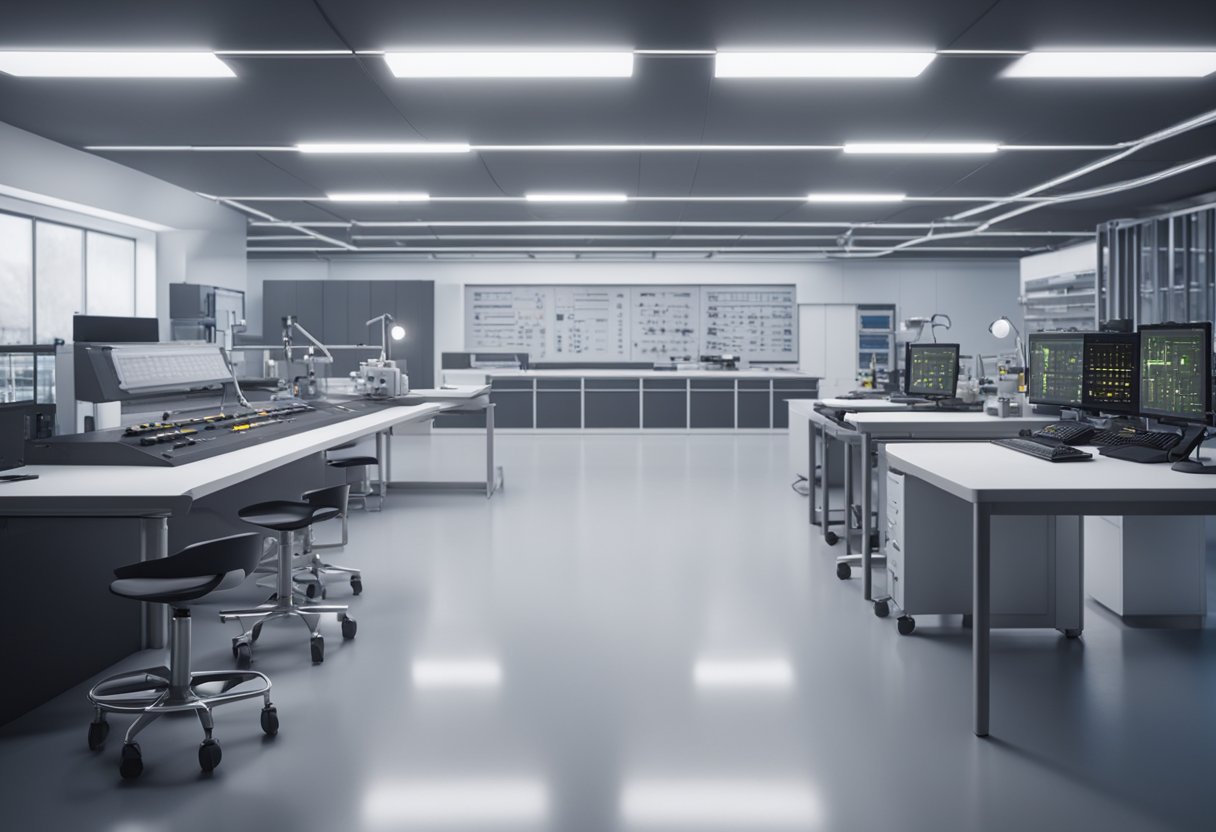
927	542
1148	566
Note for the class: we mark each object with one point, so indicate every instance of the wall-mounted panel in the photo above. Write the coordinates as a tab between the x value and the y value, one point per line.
651	324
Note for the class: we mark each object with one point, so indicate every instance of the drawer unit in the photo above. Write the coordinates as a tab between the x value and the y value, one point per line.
928	547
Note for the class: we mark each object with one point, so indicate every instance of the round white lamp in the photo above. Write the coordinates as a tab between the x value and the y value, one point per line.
397	332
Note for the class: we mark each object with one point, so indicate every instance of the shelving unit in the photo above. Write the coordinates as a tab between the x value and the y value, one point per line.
1063	301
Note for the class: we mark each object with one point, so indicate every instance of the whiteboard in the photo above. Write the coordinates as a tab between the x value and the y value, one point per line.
614	323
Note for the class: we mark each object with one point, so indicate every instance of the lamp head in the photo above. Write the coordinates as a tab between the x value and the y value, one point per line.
1001	327
397	332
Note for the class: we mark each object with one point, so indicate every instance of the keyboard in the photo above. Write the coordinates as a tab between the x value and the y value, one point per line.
1050	451
1141	438
1070	433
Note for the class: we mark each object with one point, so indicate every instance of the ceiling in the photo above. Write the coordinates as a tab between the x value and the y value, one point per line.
278	100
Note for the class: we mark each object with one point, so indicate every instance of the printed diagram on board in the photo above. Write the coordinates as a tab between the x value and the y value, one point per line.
591	323
665	324
749	322
509	319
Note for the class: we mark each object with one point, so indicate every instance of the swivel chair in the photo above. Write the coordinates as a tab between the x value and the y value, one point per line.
285	517
179	581
358	476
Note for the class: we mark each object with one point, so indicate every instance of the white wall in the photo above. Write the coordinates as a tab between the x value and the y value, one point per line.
972	292
180	235
1082	257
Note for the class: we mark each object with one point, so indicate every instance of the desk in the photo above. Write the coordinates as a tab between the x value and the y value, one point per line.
472	398
876	428
79	513
999	482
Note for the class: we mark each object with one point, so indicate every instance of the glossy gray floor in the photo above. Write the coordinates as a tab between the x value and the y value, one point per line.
641	633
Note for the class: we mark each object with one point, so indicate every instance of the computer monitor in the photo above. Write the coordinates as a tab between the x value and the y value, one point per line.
1175	372
1111	380
1056	369
932	370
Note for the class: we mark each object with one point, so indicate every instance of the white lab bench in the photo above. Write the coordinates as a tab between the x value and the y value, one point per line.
997	482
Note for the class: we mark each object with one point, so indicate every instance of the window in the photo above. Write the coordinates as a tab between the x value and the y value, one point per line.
16	281
59	277
110	274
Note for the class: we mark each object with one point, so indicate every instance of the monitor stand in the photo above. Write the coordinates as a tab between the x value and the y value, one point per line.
1192	439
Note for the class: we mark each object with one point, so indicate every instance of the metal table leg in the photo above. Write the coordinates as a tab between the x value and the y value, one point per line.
848	497
494	474
811	476
867	577
826	513
981	617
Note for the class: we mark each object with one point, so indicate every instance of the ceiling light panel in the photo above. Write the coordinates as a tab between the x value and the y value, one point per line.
855	197
1113	65
383	147
575	197
66	64
921	148
510	64
408	196
821	64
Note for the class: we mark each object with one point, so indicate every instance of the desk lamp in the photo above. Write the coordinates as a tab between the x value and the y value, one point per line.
395	332
1001	328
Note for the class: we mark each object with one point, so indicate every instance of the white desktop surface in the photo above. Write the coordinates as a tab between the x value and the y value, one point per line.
981	472
452	392
931	423
137	490
858	405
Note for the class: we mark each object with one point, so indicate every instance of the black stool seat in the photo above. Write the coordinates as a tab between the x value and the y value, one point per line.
167	590
353	462
285	515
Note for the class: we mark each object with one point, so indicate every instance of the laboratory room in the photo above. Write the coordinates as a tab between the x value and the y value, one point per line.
607	416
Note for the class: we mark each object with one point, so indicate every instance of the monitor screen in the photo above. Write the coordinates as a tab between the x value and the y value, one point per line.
932	369
1175	371
1111	372
1056	368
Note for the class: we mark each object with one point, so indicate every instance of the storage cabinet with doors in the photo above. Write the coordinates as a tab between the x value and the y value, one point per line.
711	403
612	402
785	389
559	403
664	403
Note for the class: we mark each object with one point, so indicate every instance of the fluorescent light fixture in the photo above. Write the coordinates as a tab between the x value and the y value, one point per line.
714	803
920	148
457	801
408	196
821	64
743	674
1113	65
455	673
383	147
510	64
575	197
850	197
70	64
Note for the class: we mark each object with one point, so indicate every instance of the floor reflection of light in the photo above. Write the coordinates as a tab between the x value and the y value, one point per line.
456	673
432	802
735	803
776	674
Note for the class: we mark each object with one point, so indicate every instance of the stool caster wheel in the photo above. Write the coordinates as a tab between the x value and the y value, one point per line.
317	645
131	764
1072	634
311	589
967	621
209	755
242	651
831	538
882	609
844	571
99	729
270	720
349	628
356	586
905	624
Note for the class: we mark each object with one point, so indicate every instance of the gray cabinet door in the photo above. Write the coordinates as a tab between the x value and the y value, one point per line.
414	309
335	324
664	409
559	409
512	408
310	301
358	311
278	300
754	406
711	409
611	409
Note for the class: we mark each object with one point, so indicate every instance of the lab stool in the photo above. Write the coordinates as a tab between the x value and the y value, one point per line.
334	497
358	477
179	581
285	517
